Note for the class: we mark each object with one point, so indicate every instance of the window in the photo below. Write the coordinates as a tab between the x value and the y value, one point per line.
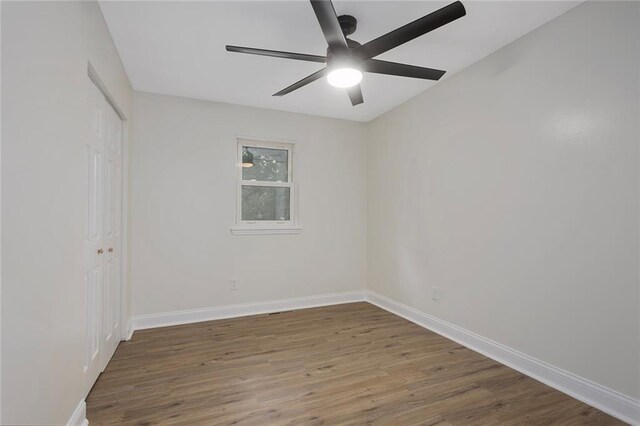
265	189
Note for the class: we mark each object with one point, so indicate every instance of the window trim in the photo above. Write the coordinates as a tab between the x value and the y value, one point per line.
264	227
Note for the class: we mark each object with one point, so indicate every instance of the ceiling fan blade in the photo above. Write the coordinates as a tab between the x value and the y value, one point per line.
355	94
412	30
326	15
298	84
402	70
277	54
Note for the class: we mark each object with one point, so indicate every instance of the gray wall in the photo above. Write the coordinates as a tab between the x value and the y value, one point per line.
184	191
513	188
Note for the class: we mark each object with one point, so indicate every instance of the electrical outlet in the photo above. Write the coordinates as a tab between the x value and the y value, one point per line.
233	285
435	294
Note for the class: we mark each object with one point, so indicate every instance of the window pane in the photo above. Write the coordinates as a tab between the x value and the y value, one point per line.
268	164
265	203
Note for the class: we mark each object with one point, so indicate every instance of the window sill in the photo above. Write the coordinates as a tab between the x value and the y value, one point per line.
265	230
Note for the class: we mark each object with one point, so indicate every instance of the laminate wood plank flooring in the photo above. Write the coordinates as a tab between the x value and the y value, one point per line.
345	364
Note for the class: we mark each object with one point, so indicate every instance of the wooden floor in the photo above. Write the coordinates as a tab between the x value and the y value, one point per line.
345	364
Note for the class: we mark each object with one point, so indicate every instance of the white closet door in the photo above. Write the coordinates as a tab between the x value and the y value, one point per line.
94	244
103	234
112	233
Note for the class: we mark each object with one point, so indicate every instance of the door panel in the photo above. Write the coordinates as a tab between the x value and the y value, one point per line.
112	238
102	234
93	235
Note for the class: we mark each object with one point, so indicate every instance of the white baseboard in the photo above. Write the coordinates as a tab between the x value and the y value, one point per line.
129	330
614	403
79	416
164	319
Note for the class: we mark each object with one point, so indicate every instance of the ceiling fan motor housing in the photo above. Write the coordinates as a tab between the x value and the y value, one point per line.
348	24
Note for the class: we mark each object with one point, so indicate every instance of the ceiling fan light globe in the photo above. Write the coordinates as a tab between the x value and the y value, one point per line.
344	77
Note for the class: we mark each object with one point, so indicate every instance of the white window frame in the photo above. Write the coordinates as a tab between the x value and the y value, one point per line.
259	227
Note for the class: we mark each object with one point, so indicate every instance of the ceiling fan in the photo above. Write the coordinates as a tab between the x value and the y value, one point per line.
347	59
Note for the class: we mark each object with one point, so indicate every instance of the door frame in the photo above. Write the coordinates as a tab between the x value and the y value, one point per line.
126	326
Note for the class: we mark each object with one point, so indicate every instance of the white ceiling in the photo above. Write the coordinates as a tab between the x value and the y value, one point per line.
177	48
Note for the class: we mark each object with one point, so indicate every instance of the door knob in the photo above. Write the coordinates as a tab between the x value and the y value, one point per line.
110	249
100	251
